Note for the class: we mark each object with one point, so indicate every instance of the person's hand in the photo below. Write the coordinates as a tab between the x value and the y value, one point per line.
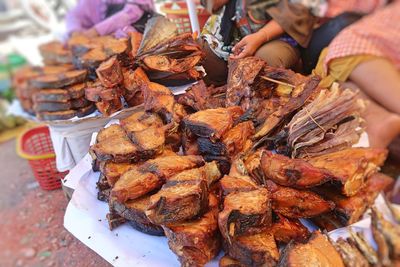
91	33
248	45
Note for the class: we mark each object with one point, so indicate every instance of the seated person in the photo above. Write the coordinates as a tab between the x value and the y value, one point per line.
367	55
105	17
276	31
272	30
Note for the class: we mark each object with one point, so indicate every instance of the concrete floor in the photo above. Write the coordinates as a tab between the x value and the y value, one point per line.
31	225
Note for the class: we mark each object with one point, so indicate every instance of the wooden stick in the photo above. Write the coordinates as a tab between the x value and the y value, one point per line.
278	82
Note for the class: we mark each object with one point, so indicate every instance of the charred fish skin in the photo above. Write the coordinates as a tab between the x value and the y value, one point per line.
390	232
359	241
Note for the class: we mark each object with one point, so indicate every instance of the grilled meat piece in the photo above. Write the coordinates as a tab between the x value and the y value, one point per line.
350	255
292	172
209	173
299	96
134	212
293	203
227	261
151	175
113	144
140	121
285	230
318	251
77	90
160	100
242	74
252	164
255	250
134	184
107	108
169	64
212	123
109	72
350	209
245	213
54	53
351	166
56	115
59	80
82	112
390	231
200	97
358	240
51	95
196	242
177	202
237	139
51	106
230	184
113	171
184	196
135	38
80	103
135	80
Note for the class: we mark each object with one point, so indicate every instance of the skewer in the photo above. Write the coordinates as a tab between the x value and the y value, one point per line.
278	82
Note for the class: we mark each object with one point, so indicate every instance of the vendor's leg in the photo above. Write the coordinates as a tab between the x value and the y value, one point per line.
215	67
382	125
278	53
380	80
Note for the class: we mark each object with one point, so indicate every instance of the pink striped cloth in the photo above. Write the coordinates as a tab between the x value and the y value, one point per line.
377	34
336	7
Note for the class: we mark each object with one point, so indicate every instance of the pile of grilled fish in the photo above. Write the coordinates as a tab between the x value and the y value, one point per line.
168	57
228	175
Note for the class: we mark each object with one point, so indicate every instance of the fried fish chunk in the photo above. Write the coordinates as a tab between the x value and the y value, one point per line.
196	242
245	212
350	209
293	203
285	230
134	212
351	166
318	251
113	171
113	144
212	123
227	261
177	202
255	250
292	172
151	175
230	184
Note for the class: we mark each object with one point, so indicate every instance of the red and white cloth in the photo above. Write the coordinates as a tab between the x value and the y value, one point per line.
377	34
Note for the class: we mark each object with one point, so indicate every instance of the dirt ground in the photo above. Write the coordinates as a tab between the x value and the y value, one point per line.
31	225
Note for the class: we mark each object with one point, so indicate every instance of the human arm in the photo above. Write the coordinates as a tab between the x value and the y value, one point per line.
250	43
128	15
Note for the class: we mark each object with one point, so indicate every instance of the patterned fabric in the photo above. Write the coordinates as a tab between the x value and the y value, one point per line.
212	35
377	35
